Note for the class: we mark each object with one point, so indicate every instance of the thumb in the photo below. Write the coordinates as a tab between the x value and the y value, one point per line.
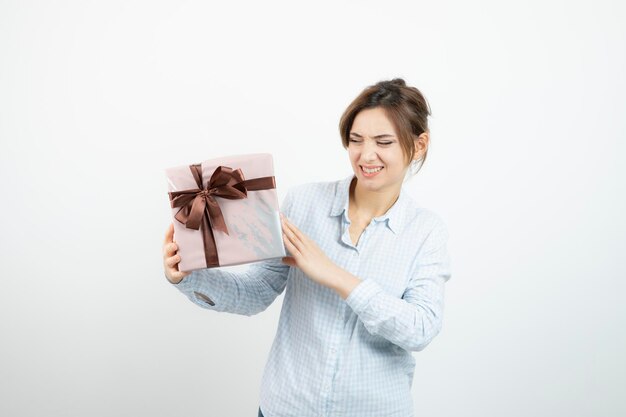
169	234
289	260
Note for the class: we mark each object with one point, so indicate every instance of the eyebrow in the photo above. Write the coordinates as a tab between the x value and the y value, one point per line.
385	135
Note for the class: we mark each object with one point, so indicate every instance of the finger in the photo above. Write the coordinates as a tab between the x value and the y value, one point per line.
170	249
290	246
291	231
169	234
293	239
301	236
172	261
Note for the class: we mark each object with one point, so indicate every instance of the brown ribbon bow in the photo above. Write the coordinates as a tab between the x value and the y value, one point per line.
199	209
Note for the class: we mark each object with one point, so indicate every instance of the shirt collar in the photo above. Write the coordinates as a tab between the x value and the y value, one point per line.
394	217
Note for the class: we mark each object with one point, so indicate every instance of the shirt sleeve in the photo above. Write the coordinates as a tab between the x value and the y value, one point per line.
247	292
412	321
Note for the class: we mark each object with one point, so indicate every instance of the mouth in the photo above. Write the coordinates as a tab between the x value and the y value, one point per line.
371	171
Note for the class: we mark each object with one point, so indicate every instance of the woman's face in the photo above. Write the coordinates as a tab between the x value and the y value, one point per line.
373	144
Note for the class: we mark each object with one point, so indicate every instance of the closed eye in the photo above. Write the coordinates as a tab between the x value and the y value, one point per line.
359	141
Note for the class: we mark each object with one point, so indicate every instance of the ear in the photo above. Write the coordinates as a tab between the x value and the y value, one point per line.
421	145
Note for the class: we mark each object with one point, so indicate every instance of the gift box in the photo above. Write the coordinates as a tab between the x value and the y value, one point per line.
225	211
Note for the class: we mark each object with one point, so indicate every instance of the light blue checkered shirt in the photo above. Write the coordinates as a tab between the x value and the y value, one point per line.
335	357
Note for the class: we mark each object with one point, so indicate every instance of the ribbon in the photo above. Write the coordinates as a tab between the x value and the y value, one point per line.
199	208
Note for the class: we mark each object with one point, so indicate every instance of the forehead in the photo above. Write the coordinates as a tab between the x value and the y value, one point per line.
372	122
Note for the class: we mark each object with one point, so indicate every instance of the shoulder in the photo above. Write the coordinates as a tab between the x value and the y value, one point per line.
424	220
314	188
426	232
311	197
312	191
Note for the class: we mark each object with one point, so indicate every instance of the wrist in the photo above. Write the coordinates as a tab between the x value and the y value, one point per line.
345	283
173	282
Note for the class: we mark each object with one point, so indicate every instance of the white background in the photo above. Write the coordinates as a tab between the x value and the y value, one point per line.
525	167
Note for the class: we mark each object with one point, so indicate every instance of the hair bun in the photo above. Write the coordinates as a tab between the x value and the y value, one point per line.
391	84
398	81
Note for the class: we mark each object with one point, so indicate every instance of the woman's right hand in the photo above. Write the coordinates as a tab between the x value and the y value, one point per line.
171	258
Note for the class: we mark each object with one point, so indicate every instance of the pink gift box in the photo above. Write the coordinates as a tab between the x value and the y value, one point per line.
253	222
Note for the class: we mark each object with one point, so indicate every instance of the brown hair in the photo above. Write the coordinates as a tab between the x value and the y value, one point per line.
405	106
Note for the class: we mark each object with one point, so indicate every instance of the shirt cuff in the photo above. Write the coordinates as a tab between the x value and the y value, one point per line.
182	283
361	295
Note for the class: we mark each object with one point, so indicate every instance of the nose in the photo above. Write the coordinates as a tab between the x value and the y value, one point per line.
369	151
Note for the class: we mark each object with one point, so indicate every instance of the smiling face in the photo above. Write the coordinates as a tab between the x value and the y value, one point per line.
375	153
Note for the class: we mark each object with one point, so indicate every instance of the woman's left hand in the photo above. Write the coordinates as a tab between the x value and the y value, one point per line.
306	255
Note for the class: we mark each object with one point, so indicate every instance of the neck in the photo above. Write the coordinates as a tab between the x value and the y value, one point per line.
370	204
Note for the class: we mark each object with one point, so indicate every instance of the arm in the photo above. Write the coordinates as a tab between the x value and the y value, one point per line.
412	321
246	293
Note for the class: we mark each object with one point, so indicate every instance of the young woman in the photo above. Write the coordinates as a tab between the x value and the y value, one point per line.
365	276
